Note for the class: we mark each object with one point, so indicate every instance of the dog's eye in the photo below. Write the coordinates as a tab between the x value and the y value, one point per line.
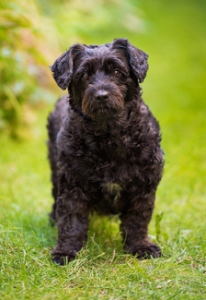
117	73
85	76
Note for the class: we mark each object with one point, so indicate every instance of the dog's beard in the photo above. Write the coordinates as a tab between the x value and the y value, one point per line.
102	110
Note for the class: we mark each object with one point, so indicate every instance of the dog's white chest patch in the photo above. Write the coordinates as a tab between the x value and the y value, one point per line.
113	190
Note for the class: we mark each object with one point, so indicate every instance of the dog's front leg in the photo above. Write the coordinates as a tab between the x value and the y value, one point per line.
72	223
134	228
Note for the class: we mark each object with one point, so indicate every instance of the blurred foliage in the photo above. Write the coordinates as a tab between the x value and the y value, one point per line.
30	29
91	20
24	57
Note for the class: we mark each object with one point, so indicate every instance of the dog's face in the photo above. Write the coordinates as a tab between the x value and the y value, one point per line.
101	79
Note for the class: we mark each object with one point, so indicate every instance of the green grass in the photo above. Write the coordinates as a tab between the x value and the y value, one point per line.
175	90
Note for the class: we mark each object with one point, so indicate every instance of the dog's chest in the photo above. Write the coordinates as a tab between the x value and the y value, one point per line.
100	166
108	147
110	162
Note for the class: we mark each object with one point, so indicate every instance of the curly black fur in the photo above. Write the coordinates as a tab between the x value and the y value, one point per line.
104	147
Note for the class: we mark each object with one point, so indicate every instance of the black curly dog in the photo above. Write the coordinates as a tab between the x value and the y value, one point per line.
104	147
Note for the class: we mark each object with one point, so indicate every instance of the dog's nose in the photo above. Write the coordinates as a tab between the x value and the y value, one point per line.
101	95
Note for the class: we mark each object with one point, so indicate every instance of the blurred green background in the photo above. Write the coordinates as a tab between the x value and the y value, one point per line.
32	35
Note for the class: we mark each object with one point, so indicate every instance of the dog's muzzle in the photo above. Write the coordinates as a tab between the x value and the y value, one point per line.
102	102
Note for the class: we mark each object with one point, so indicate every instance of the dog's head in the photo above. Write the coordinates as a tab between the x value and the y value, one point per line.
101	79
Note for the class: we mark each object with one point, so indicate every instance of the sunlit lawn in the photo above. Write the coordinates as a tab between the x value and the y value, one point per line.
175	90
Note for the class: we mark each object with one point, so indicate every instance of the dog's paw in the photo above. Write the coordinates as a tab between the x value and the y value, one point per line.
148	251
63	259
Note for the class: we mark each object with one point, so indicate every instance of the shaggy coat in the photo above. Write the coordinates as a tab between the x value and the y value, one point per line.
104	147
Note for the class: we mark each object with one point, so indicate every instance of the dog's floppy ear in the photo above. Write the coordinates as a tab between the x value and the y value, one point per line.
138	61
137	58
63	67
